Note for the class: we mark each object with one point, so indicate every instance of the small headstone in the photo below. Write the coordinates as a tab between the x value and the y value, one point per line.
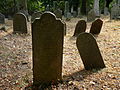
79	12
89	51
91	15
2	19
106	12
20	23
74	14
58	13
47	38
115	12
36	15
80	27
96	26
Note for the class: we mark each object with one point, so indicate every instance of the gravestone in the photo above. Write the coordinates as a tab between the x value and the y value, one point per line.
47	38
2	19
89	51
106	12
66	9
80	27
36	15
79	12
96	8
91	15
20	23
58	13
115	12
96	26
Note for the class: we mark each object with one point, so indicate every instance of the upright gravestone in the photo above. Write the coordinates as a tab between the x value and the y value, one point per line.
66	9
80	27
79	12
36	15
58	13
96	8
2	19
91	15
20	23
115	12
96	26
89	51
106	12
47	38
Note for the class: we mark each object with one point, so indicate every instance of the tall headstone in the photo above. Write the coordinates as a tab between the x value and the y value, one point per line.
79	12
91	15
89	52
96	8
80	27
47	38
2	19
58	13
115	12
106	12
96	26
36	15
66	8
20	23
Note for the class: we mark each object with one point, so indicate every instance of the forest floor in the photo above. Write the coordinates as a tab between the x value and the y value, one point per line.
16	60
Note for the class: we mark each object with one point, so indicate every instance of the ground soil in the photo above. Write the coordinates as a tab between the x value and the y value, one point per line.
16	60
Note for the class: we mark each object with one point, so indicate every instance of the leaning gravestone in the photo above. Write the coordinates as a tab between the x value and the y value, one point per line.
36	15
91	15
80	27
115	12
20	23
89	52
58	13
96	26
2	19
47	38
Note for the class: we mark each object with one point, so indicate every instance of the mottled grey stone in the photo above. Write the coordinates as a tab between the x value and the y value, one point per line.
47	38
20	23
91	15
36	15
2	19
96	26
89	51
115	12
58	13
80	27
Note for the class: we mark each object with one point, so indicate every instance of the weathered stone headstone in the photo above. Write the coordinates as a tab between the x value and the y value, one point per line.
47	38
74	14
20	23
89	51
79	12
96	26
91	15
2	19
66	8
96	8
115	12
80	27
58	13
106	12
36	15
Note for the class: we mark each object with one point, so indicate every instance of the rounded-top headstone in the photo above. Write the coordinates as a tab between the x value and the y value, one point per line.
47	38
91	15
89	51
96	26
20	23
80	27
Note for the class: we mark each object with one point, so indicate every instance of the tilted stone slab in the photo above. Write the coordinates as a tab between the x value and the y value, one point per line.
47	41
89	51
80	27
20	23
96	26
